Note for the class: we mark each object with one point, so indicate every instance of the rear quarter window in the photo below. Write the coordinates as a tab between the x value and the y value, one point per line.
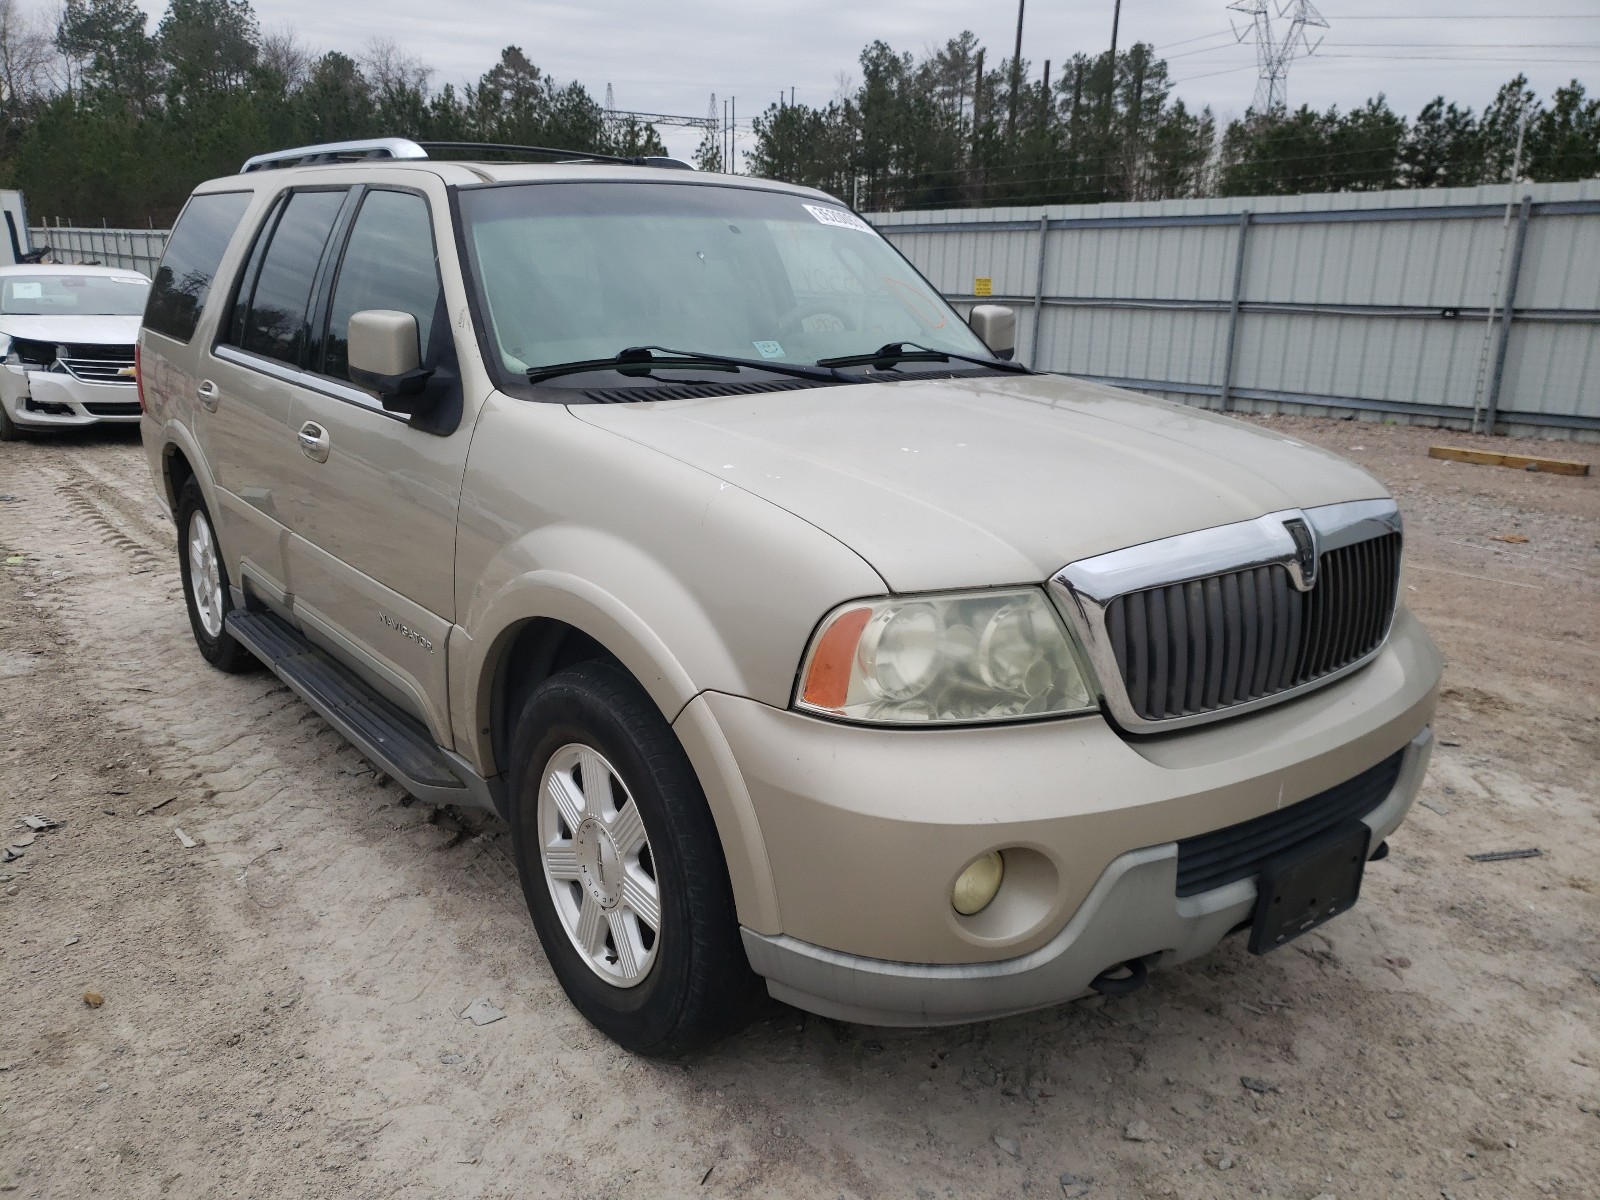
189	266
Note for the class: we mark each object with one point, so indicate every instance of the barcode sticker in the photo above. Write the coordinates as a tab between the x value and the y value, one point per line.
837	217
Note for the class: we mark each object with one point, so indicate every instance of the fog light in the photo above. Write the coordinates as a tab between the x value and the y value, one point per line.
976	886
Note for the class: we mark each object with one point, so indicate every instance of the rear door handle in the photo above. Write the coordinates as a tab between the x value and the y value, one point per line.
207	393
314	441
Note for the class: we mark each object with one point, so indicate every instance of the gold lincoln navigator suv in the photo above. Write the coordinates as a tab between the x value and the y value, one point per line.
806	641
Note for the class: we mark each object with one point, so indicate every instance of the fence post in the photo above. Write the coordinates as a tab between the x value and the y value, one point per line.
1226	395
1038	294
1492	408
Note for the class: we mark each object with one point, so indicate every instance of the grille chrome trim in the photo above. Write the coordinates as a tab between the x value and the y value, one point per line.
97	364
1084	591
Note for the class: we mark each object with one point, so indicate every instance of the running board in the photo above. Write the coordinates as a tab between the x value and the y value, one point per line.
399	743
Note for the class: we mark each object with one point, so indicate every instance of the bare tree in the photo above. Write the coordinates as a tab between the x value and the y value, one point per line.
282	51
391	69
30	66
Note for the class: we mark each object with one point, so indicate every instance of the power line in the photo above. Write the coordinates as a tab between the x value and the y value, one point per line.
1464	45
1227	33
1478	17
1209	74
1459	60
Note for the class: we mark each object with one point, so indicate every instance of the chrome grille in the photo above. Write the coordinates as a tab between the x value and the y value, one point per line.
1212	643
98	364
1204	625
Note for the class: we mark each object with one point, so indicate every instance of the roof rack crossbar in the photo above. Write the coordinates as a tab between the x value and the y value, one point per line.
549	151
635	160
407	150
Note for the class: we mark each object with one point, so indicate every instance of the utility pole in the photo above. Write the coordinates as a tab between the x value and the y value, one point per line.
977	111
1111	71
1016	73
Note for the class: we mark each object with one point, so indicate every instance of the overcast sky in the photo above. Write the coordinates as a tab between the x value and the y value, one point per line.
670	57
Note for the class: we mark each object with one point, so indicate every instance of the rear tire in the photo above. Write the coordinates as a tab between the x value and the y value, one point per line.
622	867
205	584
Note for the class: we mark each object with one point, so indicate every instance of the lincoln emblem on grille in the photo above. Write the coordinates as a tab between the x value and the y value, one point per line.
1305	553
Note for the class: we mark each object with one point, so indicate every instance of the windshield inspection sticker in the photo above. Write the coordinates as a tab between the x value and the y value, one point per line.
26	290
768	349
837	217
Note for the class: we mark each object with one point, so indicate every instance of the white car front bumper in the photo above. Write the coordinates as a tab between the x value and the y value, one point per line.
54	399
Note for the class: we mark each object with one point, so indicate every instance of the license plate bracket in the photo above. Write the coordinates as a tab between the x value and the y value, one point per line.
1311	884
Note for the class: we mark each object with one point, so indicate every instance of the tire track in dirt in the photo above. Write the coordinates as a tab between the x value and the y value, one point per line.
95	506
383	932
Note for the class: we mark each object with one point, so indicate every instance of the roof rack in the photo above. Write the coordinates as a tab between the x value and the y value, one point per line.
404	149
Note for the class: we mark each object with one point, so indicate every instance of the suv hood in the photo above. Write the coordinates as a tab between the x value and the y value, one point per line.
79	330
972	482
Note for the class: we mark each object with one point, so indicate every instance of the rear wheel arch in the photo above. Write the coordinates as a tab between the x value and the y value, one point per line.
176	470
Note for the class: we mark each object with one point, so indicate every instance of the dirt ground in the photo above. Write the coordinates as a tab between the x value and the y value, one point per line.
280	1000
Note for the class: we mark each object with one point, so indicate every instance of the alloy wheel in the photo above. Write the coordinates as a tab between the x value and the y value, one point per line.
598	864
205	574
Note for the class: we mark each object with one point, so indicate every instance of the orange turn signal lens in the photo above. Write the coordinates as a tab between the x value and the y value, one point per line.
827	681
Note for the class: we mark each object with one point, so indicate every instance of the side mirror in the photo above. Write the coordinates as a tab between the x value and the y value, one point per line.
384	357
995	324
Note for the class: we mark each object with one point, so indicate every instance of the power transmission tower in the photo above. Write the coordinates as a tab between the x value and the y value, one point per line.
611	101
1280	36
711	130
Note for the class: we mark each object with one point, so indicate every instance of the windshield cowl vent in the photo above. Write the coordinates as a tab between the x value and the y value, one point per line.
690	391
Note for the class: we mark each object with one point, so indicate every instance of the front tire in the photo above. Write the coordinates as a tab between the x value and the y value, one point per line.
622	867
205	583
9	430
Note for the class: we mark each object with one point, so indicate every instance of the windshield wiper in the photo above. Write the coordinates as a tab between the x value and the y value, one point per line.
642	360
899	352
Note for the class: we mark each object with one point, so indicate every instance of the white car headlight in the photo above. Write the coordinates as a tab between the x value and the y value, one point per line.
952	658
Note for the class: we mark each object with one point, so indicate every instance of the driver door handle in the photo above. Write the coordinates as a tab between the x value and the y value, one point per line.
207	394
314	441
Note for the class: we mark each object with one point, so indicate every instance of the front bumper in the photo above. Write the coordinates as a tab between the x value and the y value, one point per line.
852	837
53	399
1132	912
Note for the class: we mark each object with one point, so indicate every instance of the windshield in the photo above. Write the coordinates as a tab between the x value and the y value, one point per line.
74	296
576	271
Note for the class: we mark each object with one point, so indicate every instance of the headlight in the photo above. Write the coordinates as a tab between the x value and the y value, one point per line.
975	656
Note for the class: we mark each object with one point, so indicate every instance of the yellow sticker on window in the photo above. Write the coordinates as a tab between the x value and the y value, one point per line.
983	285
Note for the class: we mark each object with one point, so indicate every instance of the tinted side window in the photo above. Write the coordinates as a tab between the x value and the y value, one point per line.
190	263
275	323
388	263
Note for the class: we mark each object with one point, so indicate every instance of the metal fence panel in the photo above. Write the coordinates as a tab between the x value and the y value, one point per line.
134	249
1376	301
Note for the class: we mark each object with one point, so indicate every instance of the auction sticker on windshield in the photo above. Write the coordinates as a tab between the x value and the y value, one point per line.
837	217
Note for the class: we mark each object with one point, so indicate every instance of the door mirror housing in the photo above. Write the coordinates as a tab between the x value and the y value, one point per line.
995	325
385	357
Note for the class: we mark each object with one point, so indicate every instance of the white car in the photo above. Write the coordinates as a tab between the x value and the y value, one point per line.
67	336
